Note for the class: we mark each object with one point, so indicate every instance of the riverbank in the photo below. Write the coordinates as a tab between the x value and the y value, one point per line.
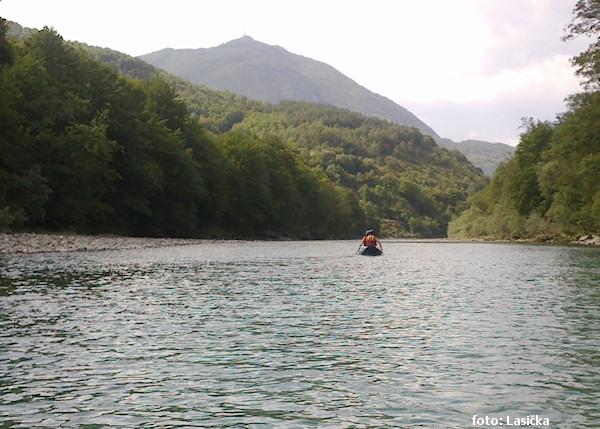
40	243
53	242
588	239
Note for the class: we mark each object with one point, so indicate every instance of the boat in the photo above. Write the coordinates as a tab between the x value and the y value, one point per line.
371	251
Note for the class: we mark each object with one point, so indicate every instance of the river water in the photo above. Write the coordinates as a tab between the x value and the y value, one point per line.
302	334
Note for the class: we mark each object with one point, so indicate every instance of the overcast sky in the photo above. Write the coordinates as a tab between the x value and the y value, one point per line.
470	69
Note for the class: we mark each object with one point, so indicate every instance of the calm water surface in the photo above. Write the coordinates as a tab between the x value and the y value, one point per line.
301	334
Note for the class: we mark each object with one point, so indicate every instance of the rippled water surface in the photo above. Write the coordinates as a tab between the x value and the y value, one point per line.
301	334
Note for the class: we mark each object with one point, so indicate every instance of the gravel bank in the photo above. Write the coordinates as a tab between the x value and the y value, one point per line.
38	243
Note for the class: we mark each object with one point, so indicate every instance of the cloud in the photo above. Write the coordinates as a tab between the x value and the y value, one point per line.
525	32
498	118
523	70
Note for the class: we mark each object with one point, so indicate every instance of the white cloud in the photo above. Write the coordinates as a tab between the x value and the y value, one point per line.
497	118
523	70
523	32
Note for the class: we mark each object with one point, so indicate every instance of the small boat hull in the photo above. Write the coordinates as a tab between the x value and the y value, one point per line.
371	251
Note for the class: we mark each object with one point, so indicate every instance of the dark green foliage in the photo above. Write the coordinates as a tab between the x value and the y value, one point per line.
523	183
84	148
6	53
278	193
406	185
550	188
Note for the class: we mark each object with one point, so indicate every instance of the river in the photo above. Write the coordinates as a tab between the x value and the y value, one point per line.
302	334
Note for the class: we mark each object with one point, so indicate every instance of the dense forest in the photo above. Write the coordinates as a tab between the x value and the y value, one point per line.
406	184
551	188
86	148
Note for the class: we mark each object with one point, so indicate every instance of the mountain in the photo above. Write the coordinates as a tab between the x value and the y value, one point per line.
296	78
270	73
485	155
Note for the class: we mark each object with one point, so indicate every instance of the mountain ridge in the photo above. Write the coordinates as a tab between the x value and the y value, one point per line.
485	155
272	74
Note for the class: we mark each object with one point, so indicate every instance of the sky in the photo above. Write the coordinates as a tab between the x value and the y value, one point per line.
470	69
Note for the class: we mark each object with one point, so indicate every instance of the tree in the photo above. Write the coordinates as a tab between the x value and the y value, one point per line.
523	180
6	53
587	22
81	175
25	112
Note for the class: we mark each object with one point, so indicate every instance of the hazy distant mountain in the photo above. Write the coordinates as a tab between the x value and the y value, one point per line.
270	73
484	155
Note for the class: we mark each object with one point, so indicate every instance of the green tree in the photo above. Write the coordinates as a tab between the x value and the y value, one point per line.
6	52
249	199
81	176
525	191
24	107
587	22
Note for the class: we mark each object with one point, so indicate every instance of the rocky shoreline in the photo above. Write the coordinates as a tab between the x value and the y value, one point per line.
41	243
588	239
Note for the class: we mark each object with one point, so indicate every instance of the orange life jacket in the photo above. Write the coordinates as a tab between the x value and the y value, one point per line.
370	240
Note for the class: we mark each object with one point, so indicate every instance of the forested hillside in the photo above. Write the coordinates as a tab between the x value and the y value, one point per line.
401	177
412	188
87	149
334	136
272	74
551	188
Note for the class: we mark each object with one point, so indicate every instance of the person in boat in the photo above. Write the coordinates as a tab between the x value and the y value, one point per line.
370	241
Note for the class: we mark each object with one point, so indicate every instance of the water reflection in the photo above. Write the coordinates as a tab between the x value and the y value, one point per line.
301	334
